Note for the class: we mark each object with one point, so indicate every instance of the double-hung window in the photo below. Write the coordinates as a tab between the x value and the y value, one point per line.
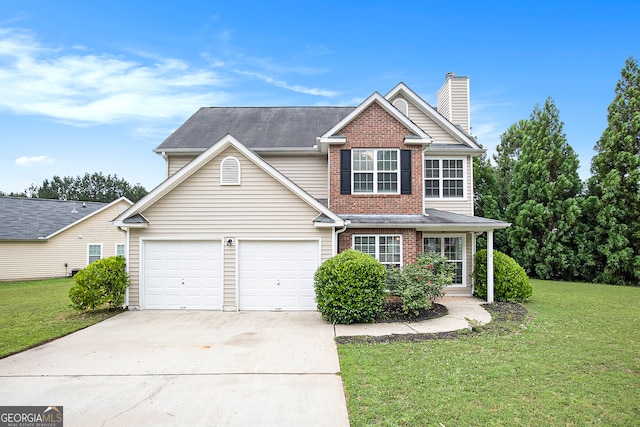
375	171
443	178
452	248
385	248
94	252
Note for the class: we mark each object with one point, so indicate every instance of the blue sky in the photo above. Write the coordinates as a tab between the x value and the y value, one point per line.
88	86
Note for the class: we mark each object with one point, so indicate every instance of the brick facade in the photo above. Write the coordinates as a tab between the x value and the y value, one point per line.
411	240
375	128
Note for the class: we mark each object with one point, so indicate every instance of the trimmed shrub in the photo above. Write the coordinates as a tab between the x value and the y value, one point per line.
350	288
420	283
101	284
510	281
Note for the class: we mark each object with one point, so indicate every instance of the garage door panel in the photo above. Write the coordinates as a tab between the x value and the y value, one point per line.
182	275
277	275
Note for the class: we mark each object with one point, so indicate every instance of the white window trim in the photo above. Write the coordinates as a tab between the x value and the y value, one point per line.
464	253
124	247
465	179
375	171
377	244
227	181
89	253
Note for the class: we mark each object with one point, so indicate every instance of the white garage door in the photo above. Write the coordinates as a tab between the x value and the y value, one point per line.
277	275
182	275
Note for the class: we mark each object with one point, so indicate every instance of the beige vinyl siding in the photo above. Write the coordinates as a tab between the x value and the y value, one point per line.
433	129
229	274
46	259
453	101
459	206
200	208
308	172
177	161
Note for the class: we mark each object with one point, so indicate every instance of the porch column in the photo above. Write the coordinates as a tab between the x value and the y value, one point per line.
490	266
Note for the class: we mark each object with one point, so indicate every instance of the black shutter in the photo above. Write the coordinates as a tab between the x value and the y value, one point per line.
405	171
345	171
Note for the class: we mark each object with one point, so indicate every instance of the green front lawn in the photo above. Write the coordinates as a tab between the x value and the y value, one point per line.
575	363
35	312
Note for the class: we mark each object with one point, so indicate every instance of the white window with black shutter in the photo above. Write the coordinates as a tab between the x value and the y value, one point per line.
375	171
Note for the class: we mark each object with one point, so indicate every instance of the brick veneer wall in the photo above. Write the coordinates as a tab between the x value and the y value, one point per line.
411	240
375	128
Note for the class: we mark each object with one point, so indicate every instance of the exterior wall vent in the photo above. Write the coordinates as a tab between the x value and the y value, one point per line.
230	171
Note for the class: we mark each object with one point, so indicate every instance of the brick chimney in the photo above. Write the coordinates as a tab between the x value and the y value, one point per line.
453	101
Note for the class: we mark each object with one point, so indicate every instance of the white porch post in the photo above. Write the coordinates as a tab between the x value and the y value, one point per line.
490	266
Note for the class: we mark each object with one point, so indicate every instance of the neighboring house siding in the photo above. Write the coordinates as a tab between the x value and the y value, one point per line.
40	260
200	208
308	172
375	128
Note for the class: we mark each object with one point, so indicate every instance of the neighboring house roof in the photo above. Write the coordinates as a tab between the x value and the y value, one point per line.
25	219
259	128
433	219
132	217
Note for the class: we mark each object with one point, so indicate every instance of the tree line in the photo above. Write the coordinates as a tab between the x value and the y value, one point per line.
564	228
94	187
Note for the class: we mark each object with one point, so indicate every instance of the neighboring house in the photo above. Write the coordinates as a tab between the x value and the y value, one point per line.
44	238
257	198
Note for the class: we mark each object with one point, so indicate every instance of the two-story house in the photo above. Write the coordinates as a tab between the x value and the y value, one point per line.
256	198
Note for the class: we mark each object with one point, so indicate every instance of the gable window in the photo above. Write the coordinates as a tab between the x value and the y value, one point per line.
375	171
385	248
443	178
452	248
230	171
94	252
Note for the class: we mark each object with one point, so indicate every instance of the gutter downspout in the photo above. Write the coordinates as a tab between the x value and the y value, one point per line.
335	236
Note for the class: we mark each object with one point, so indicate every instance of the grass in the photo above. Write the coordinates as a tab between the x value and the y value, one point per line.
35	312
575	363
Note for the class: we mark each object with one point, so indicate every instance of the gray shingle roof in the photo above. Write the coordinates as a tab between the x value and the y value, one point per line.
433	217
256	127
35	219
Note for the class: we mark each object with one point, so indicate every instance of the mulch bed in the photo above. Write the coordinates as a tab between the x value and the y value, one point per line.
500	312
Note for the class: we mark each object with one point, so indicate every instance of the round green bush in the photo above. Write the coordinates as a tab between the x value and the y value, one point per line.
350	288
510	281
101	284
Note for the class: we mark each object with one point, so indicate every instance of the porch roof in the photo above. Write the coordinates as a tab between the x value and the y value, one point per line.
433	219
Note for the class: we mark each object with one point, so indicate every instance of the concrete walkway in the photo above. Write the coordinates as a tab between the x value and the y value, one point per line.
460	309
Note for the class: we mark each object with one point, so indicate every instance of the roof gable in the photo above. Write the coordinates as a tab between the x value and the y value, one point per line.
133	218
416	136
432	113
41	219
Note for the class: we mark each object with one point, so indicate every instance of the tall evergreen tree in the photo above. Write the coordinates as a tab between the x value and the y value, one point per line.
615	184
486	194
506	158
543	207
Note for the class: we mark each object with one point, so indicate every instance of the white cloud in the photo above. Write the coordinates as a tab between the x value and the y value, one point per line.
33	161
94	89
295	88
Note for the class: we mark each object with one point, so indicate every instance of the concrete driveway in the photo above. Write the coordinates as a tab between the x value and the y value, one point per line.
195	368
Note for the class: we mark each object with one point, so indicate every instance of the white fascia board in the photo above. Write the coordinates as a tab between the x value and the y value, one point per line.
433	114
181	175
434	227
92	214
